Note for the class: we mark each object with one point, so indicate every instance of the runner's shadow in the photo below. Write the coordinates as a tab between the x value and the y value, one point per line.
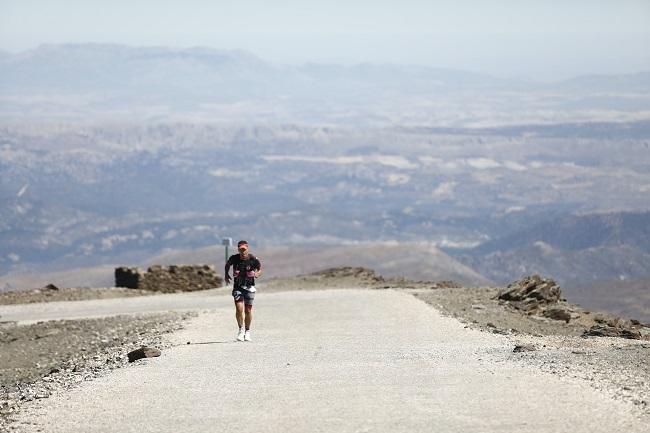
209	342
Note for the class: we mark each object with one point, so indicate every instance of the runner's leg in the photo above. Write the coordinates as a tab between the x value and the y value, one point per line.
239	313
249	316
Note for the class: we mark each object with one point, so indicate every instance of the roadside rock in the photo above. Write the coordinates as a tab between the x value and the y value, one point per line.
557	314
446	284
612	331
524	348
531	293
349	272
143	352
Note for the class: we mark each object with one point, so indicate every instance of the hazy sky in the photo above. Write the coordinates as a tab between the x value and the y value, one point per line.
543	39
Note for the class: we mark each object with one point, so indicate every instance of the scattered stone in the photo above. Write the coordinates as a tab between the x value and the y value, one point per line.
47	333
612	331
51	287
349	272
448	284
490	325
557	314
143	352
524	348
42	394
600	318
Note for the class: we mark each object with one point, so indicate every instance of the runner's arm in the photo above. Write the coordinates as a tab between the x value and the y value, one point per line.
226	271
258	271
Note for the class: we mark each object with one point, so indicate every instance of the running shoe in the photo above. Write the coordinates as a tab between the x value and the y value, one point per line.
240	336
247	336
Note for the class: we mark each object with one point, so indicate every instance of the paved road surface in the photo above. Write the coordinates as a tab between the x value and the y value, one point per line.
333	361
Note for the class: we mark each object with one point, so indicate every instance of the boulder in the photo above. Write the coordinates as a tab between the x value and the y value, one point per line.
531	293
524	348
143	352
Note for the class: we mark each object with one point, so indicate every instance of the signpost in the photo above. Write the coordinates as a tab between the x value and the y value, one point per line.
226	242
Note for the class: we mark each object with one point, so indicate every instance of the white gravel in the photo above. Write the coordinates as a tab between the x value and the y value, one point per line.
333	361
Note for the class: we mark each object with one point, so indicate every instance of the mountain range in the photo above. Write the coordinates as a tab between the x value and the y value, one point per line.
115	82
113	155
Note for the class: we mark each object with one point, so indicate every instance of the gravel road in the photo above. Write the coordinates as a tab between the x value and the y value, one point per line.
333	361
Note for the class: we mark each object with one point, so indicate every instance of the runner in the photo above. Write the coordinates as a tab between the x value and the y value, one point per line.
246	267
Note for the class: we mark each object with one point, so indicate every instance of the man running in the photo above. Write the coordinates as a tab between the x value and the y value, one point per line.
245	268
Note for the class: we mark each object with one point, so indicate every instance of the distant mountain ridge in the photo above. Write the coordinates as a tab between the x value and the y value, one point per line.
82	80
577	250
20	68
639	81
577	232
118	67
629	297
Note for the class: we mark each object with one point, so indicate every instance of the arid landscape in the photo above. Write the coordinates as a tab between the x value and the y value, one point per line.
485	179
450	202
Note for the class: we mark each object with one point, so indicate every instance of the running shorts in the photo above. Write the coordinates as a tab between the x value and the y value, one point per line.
241	294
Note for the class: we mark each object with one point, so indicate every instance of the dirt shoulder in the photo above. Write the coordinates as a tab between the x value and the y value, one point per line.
40	359
49	294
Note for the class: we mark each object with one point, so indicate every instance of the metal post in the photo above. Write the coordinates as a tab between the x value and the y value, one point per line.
226	242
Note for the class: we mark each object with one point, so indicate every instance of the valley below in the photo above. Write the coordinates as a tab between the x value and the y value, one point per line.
416	172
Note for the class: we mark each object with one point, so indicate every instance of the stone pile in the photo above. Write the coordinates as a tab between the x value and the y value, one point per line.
542	298
615	327
532	293
537	296
169	279
349	272
613	331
